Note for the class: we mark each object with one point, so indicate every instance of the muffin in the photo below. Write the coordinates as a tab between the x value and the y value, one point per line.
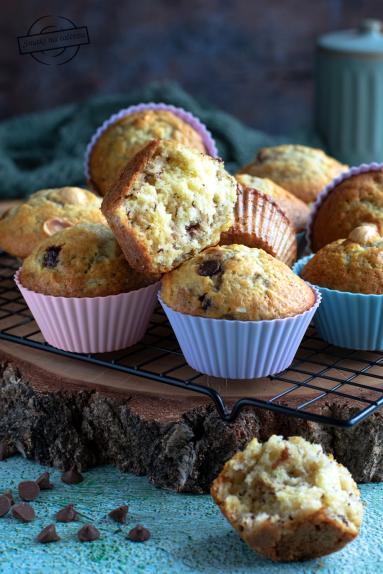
259	222
288	500
128	134
302	170
295	209
169	203
237	312
82	292
45	213
354	199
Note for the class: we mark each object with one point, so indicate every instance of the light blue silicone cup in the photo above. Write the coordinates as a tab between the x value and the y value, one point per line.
350	320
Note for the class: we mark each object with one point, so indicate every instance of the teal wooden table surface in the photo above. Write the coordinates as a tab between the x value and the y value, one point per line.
189	535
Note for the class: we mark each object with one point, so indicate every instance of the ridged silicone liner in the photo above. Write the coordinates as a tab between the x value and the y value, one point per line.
239	349
350	320
363	168
92	324
187	117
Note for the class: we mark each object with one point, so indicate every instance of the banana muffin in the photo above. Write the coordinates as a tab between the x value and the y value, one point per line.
288	500
302	170
357	199
354	264
81	261
295	209
45	213
236	282
169	203
127	135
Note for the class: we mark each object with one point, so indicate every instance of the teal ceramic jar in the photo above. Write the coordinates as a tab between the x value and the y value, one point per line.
349	93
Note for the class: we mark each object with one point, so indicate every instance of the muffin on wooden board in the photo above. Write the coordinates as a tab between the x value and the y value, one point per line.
357	198
259	222
169	203
302	170
288	500
295	209
45	213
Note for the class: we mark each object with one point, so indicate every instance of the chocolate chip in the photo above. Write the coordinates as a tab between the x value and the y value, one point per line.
67	514
139	534
51	256
48	534
5	504
209	268
8	494
193	229
262	155
72	476
88	533
205	301
28	490
44	482
24	512
119	514
6	450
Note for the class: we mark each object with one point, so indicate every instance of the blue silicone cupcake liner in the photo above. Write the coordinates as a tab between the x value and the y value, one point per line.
350	320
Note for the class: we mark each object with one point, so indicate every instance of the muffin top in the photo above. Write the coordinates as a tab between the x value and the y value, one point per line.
302	170
81	261
43	214
124	138
236	282
355	200
295	209
354	264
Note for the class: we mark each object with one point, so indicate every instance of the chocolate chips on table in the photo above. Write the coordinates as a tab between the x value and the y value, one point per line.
51	256
72	476
43	481
67	514
8	494
119	514
28	490
23	512
139	534
5	505
48	534
210	268
88	533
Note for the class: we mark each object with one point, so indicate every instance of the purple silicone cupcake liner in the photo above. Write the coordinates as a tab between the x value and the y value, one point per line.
363	168
239	349
195	123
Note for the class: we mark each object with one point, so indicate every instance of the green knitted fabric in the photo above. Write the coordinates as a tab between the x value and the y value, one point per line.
46	149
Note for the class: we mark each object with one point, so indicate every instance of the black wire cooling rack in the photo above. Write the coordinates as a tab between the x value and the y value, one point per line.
319	369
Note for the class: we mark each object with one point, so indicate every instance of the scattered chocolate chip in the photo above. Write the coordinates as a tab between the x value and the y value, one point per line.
88	533
139	534
44	482
24	512
5	504
28	490
51	256
8	494
119	514
67	514
205	301
209	268
72	476
193	229
6	450
48	534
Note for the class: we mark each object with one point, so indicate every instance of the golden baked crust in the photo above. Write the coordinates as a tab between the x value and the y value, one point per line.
358	199
259	222
236	282
302	170
43	214
169	203
124	138
288	499
354	264
295	209
81	261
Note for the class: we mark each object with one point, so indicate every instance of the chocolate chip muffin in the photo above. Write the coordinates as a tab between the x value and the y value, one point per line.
354	264
289	500
357	199
295	209
81	261
302	170
45	213
236	282
169	203
127	135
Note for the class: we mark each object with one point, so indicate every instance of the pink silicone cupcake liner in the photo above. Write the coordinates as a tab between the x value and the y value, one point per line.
195	123
239	349
92	324
363	168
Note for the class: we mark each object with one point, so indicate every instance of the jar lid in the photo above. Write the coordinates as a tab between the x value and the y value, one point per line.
367	39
